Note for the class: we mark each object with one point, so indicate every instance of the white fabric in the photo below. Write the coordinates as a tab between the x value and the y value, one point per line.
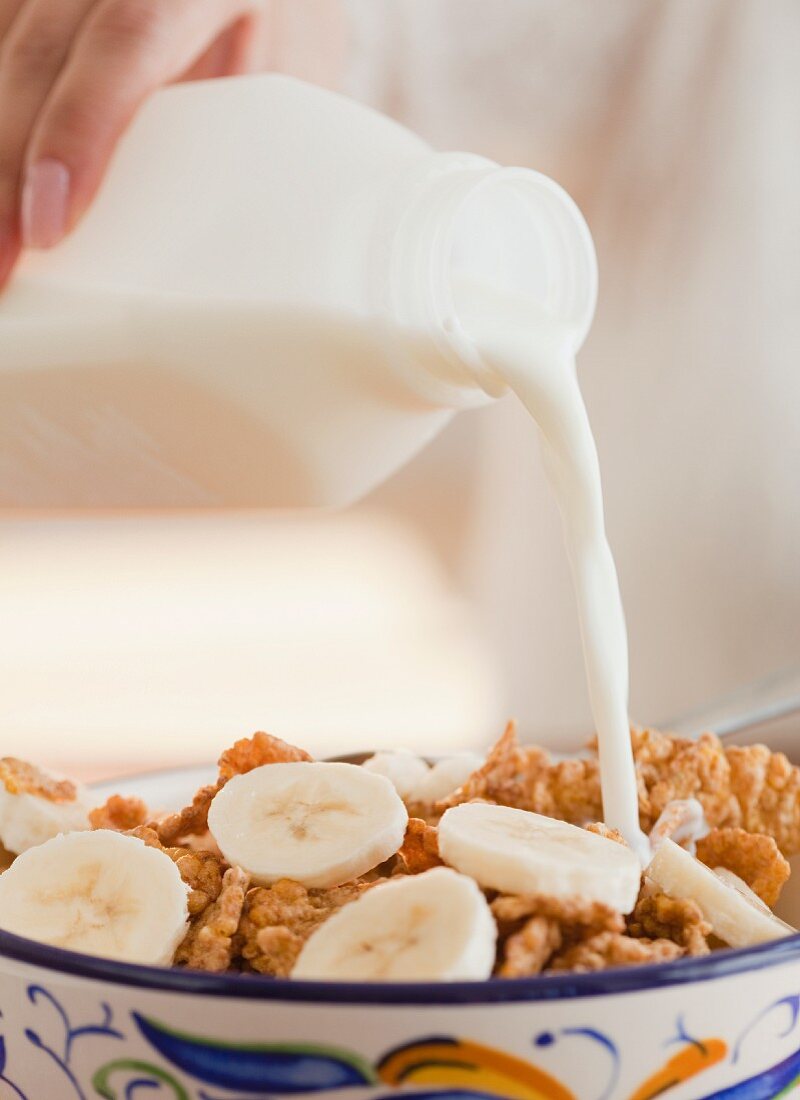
676	125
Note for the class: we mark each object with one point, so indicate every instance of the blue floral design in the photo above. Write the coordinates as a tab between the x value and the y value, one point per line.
792	1003
548	1038
62	1057
7	1080
284	1068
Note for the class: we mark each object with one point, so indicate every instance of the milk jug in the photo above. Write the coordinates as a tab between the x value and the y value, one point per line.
260	308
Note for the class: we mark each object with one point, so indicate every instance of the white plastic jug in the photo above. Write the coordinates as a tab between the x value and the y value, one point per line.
259	309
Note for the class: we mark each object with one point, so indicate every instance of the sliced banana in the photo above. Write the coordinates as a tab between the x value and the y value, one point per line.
36	805
319	824
518	852
98	892
436	926
405	770
446	776
737	915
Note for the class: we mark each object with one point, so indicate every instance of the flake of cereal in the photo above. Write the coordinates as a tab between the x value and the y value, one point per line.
576	915
526	777
605	831
208	945
120	813
767	790
526	952
657	916
190	820
754	857
277	920
253	752
674	768
420	849
202	872
608	949
20	777
201	869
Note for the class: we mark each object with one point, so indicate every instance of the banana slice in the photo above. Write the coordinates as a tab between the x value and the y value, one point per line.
446	776
403	769
99	892
737	915
436	926
36	805
319	824
518	852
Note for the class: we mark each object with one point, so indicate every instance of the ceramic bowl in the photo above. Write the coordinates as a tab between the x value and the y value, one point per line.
74	1027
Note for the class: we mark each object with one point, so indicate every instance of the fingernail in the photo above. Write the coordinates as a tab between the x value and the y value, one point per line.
45	198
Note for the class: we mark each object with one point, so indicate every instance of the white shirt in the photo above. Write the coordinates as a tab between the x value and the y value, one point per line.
675	125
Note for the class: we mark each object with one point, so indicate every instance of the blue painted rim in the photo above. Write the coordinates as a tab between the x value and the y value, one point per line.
721	964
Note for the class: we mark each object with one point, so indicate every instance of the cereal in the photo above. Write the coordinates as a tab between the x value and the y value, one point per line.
526	953
672	768
208	945
277	920
192	819
20	777
200	869
119	813
202	872
274	950
767	790
420	850
658	917
600	829
754	857
532	928
575	915
608	949
254	752
148	835
528	779
740	807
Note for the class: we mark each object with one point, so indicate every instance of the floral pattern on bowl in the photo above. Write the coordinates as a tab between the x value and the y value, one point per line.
196	1066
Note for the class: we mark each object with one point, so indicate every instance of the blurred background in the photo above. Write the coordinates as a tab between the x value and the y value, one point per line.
442	604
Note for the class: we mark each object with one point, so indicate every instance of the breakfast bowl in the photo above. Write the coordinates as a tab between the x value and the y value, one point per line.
77	1026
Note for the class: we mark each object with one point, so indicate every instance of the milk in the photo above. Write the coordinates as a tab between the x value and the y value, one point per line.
278	297
533	355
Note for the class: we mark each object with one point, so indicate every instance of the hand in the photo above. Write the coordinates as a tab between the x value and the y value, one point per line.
72	75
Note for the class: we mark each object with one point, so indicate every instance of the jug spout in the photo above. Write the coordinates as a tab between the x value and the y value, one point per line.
469	226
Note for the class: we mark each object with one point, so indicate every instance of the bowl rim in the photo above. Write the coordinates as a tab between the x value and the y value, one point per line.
567	986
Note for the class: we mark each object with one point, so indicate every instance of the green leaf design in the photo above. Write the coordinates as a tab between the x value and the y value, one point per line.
103	1087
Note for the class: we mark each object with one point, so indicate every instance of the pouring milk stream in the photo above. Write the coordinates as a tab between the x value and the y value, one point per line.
278	298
